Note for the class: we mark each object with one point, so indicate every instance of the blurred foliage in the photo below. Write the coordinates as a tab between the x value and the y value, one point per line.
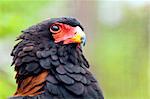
121	61
118	54
7	86
15	15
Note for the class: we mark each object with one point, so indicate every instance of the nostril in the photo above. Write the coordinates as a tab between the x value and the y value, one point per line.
83	41
82	38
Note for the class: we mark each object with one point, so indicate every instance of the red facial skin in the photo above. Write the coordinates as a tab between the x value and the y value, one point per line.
65	33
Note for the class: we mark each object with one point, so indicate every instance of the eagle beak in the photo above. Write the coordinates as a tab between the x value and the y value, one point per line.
79	36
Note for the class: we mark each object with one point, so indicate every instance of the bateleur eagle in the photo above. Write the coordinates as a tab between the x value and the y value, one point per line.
50	64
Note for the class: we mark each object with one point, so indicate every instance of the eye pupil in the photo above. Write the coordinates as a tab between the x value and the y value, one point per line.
55	28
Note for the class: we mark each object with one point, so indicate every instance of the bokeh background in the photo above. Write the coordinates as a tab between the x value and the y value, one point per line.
117	40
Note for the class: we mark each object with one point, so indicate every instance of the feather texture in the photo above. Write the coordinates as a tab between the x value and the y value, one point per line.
46	70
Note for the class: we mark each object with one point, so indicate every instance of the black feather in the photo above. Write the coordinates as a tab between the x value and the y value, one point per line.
77	88
45	63
51	79
66	79
61	70
32	66
68	76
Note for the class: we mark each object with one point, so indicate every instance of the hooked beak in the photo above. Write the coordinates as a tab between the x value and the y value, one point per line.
79	36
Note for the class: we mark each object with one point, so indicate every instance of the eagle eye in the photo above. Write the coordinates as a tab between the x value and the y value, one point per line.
54	28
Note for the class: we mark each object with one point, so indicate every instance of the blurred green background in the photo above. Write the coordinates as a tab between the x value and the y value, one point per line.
117	44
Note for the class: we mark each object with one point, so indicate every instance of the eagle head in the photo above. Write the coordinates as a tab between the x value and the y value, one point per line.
63	30
67	30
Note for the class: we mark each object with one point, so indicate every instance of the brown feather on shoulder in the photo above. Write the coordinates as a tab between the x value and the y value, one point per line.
31	85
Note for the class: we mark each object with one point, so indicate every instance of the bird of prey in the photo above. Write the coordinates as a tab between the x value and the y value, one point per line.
50	64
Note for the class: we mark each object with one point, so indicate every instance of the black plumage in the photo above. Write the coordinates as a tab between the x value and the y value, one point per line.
68	75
